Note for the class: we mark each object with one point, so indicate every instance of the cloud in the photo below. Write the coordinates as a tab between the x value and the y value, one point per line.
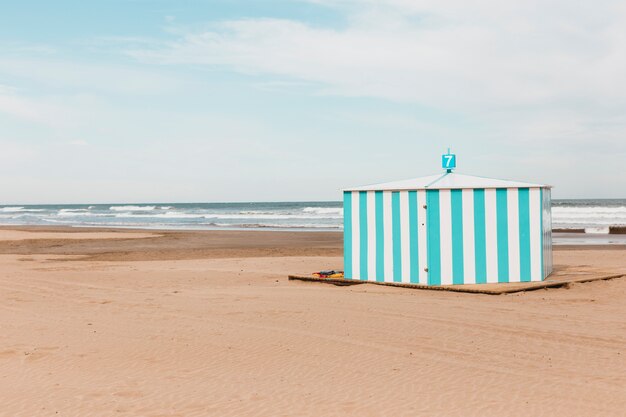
454	55
72	75
519	62
19	48
14	155
78	142
40	110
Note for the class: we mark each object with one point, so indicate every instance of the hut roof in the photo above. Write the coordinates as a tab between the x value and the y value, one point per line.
450	180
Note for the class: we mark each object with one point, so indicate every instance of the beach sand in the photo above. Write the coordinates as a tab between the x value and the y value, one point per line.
104	322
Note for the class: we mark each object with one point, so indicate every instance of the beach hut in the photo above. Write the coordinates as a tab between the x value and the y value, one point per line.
448	229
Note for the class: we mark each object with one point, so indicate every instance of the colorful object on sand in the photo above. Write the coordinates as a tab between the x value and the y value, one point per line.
328	274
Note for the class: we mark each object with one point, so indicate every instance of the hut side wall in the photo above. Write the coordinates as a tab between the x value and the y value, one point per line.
461	237
547	231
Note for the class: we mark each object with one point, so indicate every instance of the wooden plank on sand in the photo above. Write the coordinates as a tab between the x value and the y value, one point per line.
491	289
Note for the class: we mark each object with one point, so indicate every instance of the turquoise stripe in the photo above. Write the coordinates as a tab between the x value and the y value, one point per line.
541	206
523	201
363	235
457	236
347	234
413	245
480	241
380	238
396	238
434	239
502	217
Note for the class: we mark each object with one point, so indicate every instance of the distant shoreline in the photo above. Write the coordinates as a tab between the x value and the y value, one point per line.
331	238
613	230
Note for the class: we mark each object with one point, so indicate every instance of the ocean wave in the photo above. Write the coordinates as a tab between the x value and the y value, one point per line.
617	210
85	213
581	217
591	222
132	208
597	230
167	215
70	214
274	226
268	216
323	210
11	216
310	214
204	225
19	209
594	219
219	216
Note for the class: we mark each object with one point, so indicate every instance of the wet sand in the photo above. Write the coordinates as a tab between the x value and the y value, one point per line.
109	322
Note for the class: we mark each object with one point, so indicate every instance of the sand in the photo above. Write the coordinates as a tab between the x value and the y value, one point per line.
12	235
206	324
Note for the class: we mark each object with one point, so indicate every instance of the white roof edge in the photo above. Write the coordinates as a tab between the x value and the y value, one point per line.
446	188
446	181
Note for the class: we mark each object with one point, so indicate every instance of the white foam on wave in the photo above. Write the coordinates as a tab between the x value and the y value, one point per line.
590	209
132	208
166	215
268	216
81	213
218	216
11	216
324	210
19	209
596	219
274	226
597	230
179	215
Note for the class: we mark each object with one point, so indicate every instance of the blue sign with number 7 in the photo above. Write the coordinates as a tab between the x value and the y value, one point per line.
448	161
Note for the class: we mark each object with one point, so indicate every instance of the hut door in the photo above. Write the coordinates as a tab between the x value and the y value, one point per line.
432	237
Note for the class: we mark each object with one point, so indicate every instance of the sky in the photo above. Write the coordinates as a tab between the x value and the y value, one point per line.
277	100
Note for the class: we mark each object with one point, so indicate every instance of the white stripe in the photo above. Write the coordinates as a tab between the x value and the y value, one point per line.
491	237
445	230
469	263
421	236
388	237
512	196
371	235
536	230
405	250
356	237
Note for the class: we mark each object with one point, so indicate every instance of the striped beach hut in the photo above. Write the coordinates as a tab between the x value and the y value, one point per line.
448	229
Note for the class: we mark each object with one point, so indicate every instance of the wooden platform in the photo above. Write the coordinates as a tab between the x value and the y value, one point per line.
557	279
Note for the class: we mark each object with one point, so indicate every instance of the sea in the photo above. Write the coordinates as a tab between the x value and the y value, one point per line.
594	216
